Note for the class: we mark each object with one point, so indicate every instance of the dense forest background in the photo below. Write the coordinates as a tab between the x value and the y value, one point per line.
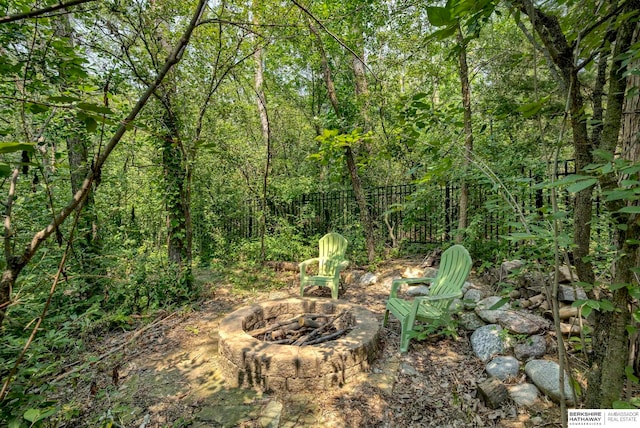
134	135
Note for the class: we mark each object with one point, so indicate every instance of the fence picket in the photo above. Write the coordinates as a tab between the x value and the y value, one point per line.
431	219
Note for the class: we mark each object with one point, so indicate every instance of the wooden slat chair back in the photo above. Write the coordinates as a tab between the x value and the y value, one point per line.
455	266
332	248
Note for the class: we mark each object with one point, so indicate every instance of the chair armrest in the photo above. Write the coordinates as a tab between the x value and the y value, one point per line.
439	297
396	283
303	265
343	264
339	267
417	301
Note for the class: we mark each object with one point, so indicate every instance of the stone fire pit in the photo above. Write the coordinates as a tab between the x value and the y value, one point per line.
252	363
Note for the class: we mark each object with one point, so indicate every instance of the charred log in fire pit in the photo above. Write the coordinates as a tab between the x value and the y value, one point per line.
304	329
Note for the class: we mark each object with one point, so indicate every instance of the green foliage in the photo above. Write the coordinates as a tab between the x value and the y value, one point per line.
200	153
27	403
446	325
533	108
284	244
147	281
587	306
487	252
333	144
633	404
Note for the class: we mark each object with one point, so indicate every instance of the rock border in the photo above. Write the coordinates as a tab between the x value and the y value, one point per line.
251	363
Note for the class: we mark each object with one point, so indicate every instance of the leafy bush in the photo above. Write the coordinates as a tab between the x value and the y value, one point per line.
147	280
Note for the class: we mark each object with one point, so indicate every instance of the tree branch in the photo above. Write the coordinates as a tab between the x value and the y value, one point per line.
336	38
604	19
8	253
174	58
552	67
38	12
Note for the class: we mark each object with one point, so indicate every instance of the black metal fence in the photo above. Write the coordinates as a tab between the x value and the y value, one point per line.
410	213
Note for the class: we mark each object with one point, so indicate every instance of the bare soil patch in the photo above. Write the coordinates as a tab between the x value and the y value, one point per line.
168	375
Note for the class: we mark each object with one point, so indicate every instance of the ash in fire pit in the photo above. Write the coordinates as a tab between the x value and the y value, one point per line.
263	346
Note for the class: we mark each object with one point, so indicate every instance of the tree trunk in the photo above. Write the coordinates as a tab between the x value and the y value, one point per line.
7	282
561	51
88	237
175	190
583	207
362	90
631	107
362	93
89	242
266	132
175	163
463	220
610	341
365	216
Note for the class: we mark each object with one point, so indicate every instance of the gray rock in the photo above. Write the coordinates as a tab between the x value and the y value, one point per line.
509	267
567	293
566	274
487	341
467	286
417	290
503	367
534	347
533	281
491	315
536	421
521	322
545	375
524	394
470	321
472	297
368	279
488	302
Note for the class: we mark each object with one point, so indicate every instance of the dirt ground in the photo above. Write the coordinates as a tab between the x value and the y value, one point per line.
166	374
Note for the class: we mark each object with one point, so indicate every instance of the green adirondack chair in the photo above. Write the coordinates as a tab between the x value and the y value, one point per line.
331	260
455	266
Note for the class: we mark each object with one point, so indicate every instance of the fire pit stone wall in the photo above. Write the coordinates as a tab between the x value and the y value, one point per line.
252	363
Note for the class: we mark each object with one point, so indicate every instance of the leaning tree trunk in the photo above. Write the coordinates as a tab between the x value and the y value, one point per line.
365	216
561	51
